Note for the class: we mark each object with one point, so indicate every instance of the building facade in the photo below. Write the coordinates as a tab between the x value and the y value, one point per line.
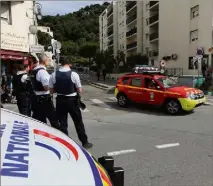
159	29
16	38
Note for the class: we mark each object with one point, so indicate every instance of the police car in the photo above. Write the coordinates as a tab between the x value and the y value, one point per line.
32	153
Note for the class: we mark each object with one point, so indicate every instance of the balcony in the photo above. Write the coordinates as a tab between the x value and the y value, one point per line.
110	12
131	32
130	5
154	19
131	19
110	33
110	42
153	36
155	53
132	45
152	3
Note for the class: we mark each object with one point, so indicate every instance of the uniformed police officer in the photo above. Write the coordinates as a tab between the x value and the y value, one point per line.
43	105
21	90
67	85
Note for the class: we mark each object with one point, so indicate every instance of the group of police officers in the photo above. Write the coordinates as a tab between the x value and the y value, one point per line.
34	91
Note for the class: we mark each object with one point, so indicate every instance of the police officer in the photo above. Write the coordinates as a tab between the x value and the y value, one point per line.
20	83
43	105
67	85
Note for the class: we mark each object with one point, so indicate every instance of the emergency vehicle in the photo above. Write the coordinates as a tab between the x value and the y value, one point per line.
154	88
33	153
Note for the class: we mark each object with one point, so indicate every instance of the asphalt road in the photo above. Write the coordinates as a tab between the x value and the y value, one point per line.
154	149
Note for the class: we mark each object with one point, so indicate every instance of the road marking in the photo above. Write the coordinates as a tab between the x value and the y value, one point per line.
208	103
108	109
167	145
112	98
116	153
85	110
97	101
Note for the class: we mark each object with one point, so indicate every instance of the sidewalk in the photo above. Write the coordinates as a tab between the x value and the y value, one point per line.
108	84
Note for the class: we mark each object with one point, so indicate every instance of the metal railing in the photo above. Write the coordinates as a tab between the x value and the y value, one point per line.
175	72
132	45
132	18
131	32
130	5
153	36
152	3
153	19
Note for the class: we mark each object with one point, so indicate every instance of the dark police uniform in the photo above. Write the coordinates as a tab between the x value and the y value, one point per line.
42	101
65	82
22	93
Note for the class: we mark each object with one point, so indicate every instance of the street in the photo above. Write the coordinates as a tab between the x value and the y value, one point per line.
154	149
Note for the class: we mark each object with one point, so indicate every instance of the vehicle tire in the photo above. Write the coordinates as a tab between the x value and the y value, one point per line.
173	107
122	100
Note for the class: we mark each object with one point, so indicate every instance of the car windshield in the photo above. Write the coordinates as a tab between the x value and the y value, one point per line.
167	82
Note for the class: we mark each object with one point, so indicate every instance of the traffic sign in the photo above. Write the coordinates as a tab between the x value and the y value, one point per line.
58	51
200	52
162	63
58	45
36	49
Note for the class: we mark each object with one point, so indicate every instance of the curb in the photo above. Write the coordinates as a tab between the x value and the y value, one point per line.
98	86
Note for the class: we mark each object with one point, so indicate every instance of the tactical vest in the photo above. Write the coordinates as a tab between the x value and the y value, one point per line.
64	84
37	85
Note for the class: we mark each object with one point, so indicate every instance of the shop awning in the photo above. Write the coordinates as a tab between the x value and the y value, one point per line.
13	55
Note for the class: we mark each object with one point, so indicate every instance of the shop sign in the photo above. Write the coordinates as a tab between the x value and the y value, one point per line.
14	41
36	49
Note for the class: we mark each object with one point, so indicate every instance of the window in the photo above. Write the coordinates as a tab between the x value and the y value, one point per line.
5	12
147	50
136	82
147	21
125	80
193	35
195	12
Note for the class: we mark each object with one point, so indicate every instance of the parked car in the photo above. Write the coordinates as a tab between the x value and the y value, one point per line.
33	153
154	88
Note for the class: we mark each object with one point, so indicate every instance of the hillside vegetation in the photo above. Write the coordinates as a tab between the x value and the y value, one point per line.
77	31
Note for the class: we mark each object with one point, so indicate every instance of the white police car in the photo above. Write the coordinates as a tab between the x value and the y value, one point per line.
33	153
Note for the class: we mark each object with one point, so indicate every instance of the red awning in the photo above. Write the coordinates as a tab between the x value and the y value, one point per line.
13	55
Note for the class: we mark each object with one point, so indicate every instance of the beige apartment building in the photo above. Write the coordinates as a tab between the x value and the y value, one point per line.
174	29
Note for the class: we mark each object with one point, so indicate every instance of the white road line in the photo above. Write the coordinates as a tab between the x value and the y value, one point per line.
167	145
112	98
97	101
116	153
108	109
208	103
85	110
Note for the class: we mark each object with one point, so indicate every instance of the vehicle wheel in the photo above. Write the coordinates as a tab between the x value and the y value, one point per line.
173	107
122	100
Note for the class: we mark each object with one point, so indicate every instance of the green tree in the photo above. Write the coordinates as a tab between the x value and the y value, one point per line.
69	48
137	59
88	50
44	39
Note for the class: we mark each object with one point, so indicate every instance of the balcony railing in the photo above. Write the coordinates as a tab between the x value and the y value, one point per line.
155	53
152	3
132	18
132	45
130	5
110	33
153	36
131	32
110	12
110	42
153	19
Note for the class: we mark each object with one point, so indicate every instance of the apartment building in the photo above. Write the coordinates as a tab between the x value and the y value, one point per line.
108	28
172	29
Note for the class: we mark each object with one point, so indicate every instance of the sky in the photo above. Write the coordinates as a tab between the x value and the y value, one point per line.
64	7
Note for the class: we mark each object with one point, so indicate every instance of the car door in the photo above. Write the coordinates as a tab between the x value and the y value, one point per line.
134	92
153	96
